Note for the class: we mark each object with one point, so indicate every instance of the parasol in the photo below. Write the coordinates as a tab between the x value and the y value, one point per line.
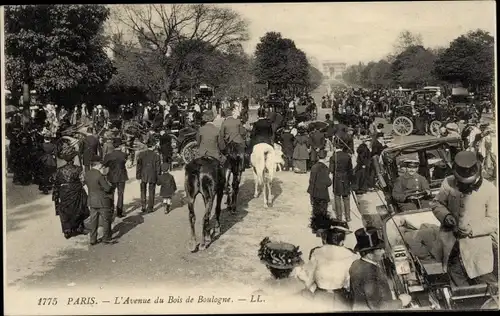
317	125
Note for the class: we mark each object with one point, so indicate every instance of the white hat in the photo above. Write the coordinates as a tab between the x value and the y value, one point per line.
99	106
452	127
162	102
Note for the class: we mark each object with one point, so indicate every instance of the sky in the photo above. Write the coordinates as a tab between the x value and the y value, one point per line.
364	31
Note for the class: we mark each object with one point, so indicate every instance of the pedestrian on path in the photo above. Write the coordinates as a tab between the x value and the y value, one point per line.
100	201
167	185
326	274
148	170
319	182
369	283
69	196
117	175
301	150
342	174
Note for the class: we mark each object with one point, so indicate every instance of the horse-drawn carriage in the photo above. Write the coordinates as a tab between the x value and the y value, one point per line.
413	261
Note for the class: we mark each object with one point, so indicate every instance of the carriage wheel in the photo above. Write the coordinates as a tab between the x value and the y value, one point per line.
434	127
189	152
402	126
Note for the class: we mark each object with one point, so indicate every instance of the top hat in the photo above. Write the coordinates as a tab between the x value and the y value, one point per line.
466	167
452	127
367	239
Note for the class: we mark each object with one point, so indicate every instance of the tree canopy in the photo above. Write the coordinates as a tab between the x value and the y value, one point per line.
279	61
58	49
469	60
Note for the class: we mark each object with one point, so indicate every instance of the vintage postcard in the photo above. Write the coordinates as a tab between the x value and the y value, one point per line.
249	158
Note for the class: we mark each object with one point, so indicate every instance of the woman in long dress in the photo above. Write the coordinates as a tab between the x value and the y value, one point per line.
69	196
301	151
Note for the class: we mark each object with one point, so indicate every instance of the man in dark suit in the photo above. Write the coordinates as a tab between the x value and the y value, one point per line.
208	138
316	141
232	131
148	170
369	284
378	145
100	201
90	148
342	171
319	181
117	175
262	131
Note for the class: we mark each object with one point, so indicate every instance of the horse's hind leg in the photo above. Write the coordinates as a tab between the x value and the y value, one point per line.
256	182
193	243
218	203
206	223
191	188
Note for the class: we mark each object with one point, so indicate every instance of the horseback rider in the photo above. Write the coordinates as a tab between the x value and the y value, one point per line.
262	131
232	131
208	138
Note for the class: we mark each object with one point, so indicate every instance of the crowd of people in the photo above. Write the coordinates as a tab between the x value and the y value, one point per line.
87	190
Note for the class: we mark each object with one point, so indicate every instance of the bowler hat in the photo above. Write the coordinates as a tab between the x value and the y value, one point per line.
367	239
117	142
380	135
208	116
151	142
466	167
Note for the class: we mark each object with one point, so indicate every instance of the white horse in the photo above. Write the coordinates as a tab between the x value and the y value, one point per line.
263	162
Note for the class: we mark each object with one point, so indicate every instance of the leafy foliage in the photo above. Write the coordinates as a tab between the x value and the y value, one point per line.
469	59
278	60
58	49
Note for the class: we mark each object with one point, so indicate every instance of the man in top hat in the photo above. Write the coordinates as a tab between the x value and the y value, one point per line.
90	148
342	173
208	138
369	284
117	175
100	201
466	206
409	183
316	142
147	171
319	182
378	145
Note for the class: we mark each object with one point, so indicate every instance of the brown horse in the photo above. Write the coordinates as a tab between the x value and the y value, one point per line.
235	166
204	175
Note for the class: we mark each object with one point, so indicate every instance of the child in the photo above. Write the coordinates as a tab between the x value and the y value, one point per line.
168	186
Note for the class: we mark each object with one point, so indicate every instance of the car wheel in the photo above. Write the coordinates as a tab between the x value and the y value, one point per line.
402	126
434	127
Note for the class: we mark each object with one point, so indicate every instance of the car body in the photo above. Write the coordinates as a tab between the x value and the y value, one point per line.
414	267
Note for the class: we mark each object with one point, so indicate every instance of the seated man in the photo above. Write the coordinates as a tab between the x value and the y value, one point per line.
408	184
